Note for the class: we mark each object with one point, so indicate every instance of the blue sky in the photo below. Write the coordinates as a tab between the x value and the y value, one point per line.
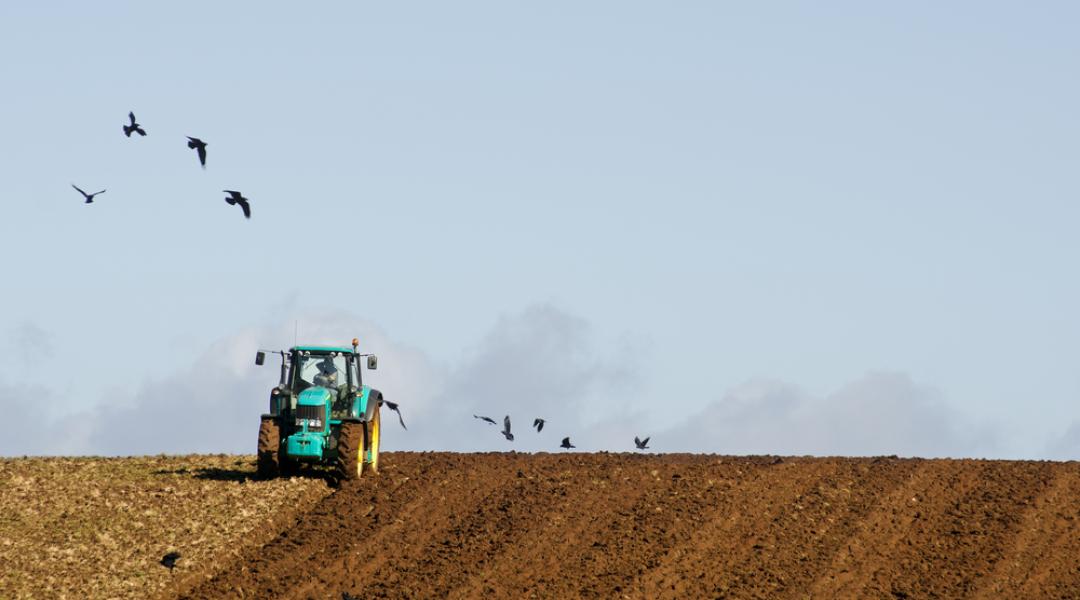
702	197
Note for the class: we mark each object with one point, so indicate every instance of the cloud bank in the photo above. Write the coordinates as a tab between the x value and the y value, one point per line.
541	362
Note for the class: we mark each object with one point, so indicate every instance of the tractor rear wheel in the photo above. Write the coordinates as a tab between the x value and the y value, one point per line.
349	463
267	463
373	443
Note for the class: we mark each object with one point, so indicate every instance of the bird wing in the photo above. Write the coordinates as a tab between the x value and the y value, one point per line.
96	193
247	213
202	155
140	131
131	116
80	191
637	441
394	407
645	442
506	423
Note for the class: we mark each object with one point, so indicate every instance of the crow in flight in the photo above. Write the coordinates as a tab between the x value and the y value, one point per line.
538	423
200	147
488	419
566	443
506	429
134	127
394	407
236	198
169	560
89	197
641	444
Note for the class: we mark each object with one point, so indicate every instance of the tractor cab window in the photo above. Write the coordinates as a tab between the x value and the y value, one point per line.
326	370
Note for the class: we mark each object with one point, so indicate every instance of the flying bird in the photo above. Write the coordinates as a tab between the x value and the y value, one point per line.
200	147
566	443
506	429
641	444
394	407
538	423
169	560
89	197
488	419
134	127
235	198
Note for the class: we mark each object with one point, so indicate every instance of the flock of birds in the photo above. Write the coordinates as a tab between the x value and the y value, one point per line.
234	197
538	423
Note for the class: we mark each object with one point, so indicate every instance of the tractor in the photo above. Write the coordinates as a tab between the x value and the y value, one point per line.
321	413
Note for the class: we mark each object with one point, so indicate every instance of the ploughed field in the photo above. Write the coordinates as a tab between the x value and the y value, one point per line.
505	525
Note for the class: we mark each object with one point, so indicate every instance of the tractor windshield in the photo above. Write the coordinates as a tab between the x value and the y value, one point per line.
326	370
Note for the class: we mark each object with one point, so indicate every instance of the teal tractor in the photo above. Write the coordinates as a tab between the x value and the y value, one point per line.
321	413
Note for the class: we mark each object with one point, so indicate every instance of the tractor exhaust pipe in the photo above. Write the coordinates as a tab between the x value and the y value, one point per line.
284	371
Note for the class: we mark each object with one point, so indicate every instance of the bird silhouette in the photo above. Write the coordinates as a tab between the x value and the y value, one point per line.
89	197
641	444
169	560
566	443
394	407
200	147
235	198
538	423
134	127
506	429
488	419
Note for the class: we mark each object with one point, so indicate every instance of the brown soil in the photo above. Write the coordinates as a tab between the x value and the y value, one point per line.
435	525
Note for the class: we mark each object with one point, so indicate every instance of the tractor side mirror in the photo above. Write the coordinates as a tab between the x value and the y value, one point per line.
372	362
260	358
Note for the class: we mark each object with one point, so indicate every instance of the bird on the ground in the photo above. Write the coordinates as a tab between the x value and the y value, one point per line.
394	407
488	419
348	596
506	429
566	443
89	197
134	127
641	444
235	198
538	423
169	560
200	147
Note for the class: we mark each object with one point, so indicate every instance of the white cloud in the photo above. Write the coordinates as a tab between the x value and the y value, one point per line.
878	414
1066	447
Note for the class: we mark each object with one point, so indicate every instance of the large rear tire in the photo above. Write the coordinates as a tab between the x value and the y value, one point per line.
372	454
349	463
267	463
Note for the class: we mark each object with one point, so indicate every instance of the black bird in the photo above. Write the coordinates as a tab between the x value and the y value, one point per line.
394	407
641	444
236	198
506	429
538	423
200	147
169	560
348	596
134	127
566	443
89	197
488	419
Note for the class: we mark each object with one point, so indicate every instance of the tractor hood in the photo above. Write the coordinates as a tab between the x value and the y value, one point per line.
314	396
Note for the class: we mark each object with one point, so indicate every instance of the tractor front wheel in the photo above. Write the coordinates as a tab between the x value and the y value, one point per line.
350	451
267	463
